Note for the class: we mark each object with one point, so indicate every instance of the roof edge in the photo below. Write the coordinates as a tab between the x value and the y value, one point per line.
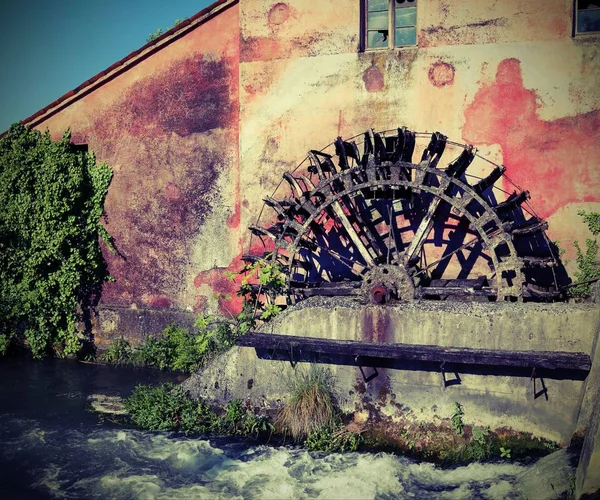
129	61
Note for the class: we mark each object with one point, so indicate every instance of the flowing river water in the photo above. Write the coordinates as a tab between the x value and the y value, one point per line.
51	446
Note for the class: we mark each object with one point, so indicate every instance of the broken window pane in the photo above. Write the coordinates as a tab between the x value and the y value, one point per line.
377	39
378	17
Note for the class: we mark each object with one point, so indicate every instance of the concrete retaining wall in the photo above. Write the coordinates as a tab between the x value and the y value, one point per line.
417	391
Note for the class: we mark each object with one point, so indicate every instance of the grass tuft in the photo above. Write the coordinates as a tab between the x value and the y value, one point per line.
311	406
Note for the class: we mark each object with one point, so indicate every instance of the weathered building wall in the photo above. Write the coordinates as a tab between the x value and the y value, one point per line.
168	127
507	77
201	130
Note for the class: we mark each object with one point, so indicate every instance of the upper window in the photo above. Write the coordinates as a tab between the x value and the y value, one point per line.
390	23
587	16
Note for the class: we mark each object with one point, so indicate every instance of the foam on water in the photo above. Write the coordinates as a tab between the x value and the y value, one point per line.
126	463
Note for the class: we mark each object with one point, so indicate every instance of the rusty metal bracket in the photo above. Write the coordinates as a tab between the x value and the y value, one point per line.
449	382
543	391
366	378
291	356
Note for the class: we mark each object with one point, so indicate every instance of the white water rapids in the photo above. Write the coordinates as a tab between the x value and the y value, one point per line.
51	446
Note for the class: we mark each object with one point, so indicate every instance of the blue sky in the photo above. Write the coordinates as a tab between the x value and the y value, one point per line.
48	47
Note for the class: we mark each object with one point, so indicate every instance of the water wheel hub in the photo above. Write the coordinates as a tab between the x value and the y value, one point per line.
384	283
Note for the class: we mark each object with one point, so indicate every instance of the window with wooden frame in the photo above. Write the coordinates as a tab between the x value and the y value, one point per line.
389	23
587	16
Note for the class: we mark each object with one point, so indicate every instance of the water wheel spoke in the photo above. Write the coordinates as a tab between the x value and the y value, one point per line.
413	251
352	234
449	253
352	264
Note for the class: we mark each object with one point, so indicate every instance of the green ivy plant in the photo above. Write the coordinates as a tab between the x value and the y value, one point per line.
587	267
51	265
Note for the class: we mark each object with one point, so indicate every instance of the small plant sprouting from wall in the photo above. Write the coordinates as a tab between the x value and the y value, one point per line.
262	281
457	418
587	265
159	31
51	264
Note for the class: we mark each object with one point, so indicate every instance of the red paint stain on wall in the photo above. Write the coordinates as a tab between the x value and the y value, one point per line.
233	221
555	159
373	78
157	302
173	192
222	286
441	74
278	14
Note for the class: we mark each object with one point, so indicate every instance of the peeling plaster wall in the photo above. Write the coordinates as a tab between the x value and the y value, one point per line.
169	129
504	76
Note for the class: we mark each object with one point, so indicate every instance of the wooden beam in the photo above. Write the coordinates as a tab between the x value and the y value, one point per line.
551	360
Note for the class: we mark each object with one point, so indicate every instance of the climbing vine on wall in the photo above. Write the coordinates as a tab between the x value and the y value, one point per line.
51	265
587	265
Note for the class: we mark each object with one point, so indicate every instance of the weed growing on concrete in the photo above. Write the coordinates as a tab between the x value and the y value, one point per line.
572	486
119	352
310	406
178	348
262	281
166	407
480	435
457	418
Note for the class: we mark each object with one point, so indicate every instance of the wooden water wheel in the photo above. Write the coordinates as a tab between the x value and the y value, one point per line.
361	218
